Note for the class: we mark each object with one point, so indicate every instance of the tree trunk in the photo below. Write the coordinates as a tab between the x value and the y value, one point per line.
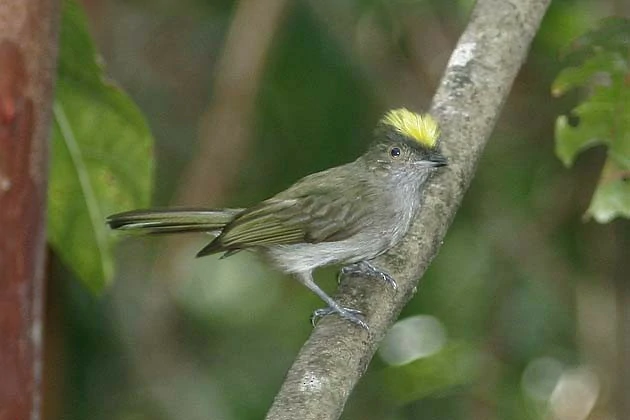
28	50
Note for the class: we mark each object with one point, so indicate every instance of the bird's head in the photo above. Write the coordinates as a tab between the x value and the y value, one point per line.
406	141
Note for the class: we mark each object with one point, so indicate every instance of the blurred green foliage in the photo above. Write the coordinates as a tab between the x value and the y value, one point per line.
101	156
523	289
602	65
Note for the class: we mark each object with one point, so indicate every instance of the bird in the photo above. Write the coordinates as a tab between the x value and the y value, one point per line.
345	215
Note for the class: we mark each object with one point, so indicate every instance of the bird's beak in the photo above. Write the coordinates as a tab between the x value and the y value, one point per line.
434	161
438	160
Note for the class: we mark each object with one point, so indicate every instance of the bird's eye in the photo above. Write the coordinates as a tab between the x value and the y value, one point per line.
394	151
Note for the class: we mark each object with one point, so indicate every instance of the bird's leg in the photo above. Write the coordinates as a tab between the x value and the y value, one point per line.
365	268
352	315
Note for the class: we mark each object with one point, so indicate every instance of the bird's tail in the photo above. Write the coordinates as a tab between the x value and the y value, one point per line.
151	221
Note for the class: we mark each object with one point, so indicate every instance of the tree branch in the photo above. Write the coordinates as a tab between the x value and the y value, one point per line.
475	85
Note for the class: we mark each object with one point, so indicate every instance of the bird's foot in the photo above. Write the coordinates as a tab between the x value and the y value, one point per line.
352	315
365	268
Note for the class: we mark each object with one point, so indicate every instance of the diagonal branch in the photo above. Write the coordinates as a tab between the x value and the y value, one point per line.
469	99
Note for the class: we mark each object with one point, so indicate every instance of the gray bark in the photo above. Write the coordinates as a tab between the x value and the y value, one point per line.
469	99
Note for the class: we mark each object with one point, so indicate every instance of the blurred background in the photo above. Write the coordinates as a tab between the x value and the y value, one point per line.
521	316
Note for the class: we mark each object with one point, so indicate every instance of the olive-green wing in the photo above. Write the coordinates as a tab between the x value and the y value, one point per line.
325	219
312	218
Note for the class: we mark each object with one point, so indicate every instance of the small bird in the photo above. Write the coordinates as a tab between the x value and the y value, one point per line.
345	215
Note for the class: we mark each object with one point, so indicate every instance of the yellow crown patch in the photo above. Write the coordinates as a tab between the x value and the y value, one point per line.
421	128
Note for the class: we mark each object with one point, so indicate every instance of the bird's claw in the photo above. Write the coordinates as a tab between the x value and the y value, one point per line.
365	268
352	315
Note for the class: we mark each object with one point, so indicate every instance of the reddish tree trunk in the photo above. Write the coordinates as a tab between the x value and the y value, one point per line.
28	49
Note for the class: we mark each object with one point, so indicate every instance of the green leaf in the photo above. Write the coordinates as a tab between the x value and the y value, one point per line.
601	66
101	156
612	196
593	128
574	77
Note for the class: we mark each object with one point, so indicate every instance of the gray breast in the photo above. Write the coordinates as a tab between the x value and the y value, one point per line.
375	238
